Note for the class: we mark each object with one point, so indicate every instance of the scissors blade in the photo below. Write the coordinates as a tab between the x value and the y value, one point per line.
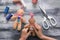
43	11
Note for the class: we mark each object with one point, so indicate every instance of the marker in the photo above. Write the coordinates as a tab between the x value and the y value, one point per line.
18	19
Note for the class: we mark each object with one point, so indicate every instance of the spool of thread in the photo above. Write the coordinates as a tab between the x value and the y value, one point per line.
6	10
8	17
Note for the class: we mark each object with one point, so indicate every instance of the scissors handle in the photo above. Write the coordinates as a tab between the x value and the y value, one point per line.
45	25
53	21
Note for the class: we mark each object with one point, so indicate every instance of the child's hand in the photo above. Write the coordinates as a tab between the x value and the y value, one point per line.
25	34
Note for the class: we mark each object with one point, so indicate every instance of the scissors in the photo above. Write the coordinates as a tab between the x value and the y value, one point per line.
48	20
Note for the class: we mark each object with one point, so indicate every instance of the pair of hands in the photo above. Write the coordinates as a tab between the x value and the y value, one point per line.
25	32
38	30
